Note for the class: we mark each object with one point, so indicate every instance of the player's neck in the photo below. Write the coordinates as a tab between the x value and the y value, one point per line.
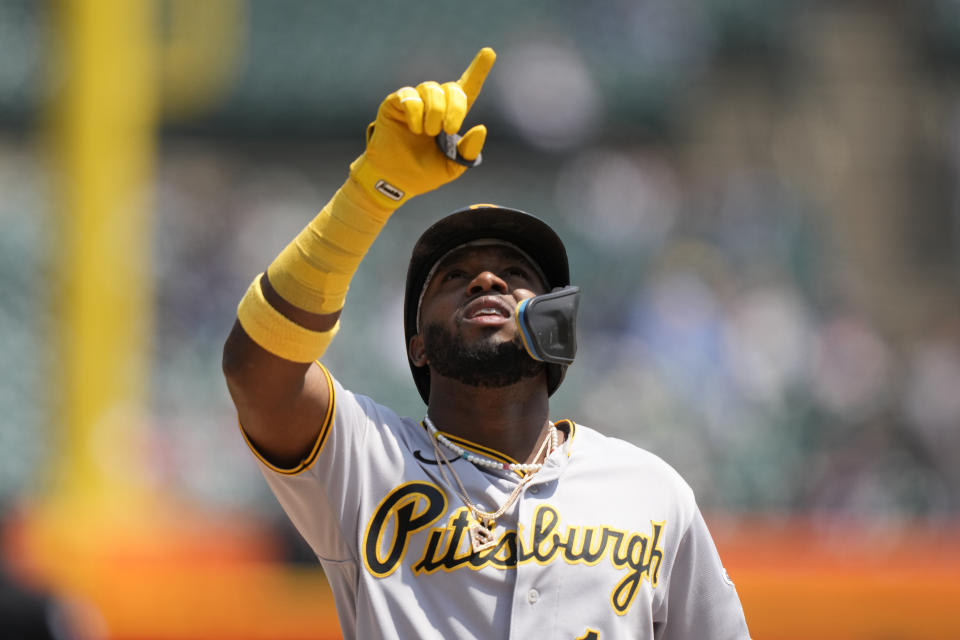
509	419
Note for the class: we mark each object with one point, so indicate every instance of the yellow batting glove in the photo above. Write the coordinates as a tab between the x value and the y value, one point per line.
403	158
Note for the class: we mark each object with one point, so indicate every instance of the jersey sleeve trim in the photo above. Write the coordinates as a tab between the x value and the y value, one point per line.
317	445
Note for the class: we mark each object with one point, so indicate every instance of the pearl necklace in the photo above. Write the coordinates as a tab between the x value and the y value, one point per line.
483	523
490	463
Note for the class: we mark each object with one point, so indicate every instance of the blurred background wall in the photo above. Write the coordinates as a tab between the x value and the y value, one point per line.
760	199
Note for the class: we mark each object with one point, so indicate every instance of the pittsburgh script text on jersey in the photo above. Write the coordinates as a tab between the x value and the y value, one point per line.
414	506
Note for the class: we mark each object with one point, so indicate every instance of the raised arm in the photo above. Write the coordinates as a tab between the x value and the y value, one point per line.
291	312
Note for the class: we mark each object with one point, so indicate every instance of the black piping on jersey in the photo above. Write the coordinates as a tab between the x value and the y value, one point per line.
317	445
571	431
419	456
493	453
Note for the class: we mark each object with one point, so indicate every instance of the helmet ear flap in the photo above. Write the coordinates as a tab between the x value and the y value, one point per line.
548	325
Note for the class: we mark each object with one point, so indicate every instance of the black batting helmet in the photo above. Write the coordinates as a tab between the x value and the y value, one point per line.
482	222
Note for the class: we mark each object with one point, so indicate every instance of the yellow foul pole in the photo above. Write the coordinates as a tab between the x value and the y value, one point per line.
102	132
103	527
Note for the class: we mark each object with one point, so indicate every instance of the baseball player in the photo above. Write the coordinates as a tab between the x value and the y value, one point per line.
486	518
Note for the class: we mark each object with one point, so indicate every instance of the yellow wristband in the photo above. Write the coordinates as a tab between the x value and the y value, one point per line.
278	334
314	271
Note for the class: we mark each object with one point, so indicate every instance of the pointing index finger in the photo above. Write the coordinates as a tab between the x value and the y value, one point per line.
472	79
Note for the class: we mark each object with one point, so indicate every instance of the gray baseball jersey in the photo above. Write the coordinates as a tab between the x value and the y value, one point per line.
605	541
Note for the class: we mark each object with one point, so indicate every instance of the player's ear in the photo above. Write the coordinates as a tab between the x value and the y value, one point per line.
416	351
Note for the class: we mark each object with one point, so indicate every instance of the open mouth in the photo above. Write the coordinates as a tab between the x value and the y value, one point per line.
487	308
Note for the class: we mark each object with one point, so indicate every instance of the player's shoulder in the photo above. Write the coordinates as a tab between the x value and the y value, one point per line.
593	447
594	441
362	411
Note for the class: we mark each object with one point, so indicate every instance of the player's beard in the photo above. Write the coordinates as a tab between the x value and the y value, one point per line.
484	363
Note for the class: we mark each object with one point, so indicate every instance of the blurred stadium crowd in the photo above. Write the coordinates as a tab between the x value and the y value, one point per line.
759	197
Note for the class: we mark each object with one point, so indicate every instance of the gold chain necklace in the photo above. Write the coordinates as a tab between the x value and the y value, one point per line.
485	522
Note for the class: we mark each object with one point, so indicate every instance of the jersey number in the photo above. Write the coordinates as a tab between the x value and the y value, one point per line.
590	634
